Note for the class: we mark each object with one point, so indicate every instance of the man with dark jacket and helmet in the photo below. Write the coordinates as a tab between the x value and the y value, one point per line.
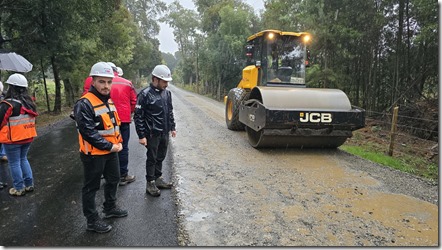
124	97
154	121
100	140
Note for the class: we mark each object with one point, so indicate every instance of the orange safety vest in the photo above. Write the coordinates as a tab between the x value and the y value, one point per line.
111	125
18	128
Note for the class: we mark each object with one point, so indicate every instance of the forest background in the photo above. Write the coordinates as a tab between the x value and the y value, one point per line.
381	53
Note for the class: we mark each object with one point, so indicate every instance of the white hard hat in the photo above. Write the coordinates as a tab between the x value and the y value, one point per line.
114	67
102	69
17	80
162	72
112	64
120	71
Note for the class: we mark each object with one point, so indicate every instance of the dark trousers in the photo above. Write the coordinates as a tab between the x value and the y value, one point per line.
94	167
156	152
123	155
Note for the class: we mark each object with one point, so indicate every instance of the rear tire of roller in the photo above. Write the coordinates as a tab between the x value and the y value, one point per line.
234	99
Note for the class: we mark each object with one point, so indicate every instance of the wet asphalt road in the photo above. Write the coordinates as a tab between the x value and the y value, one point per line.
52	214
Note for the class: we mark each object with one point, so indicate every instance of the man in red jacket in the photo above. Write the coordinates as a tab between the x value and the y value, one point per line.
125	97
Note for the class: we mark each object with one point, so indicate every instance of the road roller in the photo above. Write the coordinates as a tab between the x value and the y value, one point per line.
274	106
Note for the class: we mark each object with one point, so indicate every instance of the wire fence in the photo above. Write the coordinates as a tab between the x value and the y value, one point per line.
422	140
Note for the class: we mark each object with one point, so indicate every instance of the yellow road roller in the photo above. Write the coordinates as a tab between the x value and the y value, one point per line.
274	106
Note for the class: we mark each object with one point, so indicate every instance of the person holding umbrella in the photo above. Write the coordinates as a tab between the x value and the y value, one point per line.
17	131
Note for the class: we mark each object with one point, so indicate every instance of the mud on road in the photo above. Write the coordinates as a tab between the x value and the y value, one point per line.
230	194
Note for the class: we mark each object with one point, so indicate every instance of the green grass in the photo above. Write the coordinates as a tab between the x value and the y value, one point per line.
406	163
41	94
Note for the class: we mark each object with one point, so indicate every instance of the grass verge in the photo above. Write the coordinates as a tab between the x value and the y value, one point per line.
412	164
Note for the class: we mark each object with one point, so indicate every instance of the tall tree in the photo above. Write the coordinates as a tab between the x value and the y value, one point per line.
185	24
146	14
44	28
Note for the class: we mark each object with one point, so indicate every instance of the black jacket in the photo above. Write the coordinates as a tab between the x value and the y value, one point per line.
86	121
154	112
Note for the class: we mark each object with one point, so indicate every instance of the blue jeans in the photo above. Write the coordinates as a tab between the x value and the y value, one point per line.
2	150
123	155
21	171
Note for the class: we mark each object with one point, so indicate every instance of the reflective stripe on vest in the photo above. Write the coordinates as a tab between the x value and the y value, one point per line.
18	128
109	120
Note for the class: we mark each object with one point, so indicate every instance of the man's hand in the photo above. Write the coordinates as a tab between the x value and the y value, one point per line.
173	133
143	141
116	148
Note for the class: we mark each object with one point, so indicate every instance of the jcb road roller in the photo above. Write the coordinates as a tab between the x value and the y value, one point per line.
273	104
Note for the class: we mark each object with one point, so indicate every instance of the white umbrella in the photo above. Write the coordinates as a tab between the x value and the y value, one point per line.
14	62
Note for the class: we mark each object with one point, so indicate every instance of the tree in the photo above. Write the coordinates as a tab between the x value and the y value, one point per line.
44	28
185	24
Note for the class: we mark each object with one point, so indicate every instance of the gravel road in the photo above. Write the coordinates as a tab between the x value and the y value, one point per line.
230	194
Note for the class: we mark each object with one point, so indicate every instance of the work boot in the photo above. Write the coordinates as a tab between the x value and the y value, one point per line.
152	189
98	226
160	183
127	179
15	192
115	213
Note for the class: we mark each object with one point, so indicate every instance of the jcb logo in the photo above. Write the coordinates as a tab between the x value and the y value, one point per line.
315	117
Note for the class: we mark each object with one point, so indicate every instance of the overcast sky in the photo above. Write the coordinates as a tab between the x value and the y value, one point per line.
167	42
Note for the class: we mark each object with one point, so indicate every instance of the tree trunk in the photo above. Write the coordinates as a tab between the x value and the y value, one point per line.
399	55
218	90
44	82
57	102
69	92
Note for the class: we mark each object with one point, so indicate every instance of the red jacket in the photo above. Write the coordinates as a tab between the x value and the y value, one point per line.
123	95
87	85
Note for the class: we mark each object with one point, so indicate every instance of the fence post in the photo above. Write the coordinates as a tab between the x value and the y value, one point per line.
393	130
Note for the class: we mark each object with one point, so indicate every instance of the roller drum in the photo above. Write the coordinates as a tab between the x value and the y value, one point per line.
262	139
274	117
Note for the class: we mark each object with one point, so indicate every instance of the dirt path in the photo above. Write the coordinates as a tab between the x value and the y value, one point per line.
230	194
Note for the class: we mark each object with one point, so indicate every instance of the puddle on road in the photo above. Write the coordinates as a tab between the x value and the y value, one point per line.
412	221
200	216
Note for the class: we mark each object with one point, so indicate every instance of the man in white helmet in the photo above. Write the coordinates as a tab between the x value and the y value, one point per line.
100	140
124	95
154	122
